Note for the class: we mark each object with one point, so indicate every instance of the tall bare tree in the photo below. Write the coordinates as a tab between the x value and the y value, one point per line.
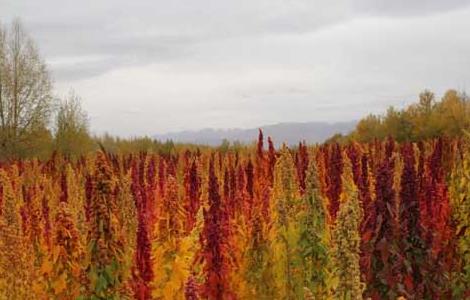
26	100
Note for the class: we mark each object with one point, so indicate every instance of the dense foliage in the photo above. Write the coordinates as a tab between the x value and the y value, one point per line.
427	118
377	220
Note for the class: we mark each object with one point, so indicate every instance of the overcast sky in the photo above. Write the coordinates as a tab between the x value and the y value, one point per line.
146	67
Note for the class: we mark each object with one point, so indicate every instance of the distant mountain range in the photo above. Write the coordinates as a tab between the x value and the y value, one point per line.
290	133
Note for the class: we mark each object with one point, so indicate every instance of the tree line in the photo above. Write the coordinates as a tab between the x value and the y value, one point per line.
425	119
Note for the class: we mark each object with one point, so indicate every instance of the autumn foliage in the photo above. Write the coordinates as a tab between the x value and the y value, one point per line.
378	220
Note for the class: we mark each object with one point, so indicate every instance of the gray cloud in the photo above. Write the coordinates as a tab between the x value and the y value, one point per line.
141	32
408	8
131	32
